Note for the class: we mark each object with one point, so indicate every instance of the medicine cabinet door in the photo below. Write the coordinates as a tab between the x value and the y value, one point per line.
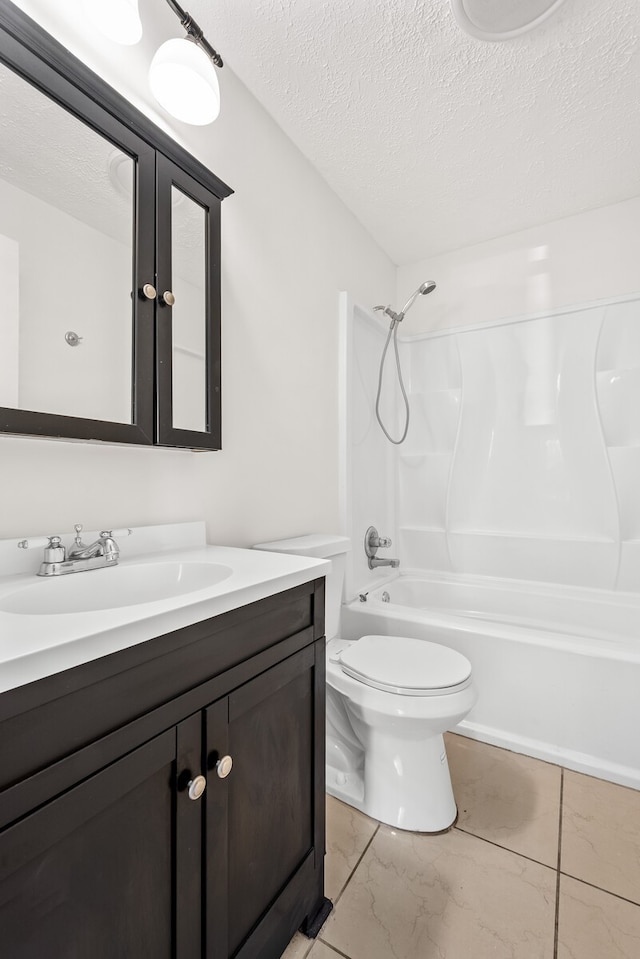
77	215
188	311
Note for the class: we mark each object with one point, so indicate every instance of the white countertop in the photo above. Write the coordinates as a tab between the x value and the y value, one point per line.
33	646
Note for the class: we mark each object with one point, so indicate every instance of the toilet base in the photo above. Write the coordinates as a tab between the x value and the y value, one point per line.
408	785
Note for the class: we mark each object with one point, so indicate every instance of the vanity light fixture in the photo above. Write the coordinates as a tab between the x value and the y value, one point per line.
183	76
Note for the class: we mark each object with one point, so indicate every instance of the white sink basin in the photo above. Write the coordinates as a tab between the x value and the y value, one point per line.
112	588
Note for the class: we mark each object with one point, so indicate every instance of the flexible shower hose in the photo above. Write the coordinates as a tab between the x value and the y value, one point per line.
393	329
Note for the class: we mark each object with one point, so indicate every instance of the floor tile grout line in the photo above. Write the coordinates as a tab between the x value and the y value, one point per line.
497	845
338	952
311	945
558	864
607	892
350	876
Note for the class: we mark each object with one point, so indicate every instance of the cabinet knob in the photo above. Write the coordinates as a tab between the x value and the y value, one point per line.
149	291
224	766
196	787
169	297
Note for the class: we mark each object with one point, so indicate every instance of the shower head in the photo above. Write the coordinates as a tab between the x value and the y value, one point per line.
427	287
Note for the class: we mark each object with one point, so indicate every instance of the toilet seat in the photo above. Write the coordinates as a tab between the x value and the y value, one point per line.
405	666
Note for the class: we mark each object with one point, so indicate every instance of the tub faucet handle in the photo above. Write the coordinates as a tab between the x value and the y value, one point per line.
373	541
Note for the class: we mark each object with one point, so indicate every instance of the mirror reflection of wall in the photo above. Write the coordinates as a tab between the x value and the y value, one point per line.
188	265
9	321
66	260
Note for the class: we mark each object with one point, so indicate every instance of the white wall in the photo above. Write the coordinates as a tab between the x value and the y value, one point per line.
575	260
289	247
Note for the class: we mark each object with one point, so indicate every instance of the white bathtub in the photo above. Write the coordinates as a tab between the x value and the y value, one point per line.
557	668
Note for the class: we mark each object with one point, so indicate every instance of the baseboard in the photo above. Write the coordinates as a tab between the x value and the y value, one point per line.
580	762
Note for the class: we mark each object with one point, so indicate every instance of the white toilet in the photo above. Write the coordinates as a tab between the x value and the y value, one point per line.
389	700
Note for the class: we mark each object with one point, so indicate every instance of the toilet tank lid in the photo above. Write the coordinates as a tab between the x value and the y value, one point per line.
321	545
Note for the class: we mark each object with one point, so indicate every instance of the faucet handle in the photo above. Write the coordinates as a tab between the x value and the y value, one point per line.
36	542
33	543
54	551
112	533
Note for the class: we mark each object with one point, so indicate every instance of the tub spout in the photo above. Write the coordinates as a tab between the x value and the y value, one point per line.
374	562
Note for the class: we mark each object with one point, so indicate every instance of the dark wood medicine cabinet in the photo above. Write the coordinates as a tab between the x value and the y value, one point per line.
109	260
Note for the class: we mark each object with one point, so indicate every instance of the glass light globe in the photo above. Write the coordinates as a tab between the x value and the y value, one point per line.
502	19
183	80
118	20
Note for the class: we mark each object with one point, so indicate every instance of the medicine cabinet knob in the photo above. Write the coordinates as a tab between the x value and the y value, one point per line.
168	297
224	766
149	291
196	787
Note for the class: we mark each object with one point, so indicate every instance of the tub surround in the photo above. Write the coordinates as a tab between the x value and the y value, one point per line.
522	456
33	646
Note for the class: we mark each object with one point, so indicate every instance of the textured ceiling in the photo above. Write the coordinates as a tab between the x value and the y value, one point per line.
74	174
436	140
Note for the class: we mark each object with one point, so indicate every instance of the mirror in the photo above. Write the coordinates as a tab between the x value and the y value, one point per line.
67	217
189	282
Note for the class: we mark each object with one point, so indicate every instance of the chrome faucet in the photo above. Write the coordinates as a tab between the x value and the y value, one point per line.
372	543
105	546
80	557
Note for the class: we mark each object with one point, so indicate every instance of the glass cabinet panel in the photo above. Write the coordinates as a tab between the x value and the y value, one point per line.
67	217
189	313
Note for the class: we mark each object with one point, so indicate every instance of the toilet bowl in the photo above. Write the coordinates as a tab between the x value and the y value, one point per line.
392	717
389	701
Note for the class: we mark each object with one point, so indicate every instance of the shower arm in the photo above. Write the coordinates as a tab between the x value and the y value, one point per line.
396	317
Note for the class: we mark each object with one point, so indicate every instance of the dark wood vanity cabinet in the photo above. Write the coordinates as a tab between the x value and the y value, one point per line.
103	853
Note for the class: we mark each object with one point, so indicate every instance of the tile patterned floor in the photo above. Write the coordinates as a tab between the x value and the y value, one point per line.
543	863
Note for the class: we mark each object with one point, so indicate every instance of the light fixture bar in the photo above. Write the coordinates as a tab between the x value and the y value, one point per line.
194	32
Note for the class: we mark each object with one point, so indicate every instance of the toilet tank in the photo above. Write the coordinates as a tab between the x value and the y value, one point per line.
322	546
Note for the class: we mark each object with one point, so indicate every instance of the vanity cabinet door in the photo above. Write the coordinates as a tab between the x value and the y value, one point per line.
188	311
265	820
91	873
